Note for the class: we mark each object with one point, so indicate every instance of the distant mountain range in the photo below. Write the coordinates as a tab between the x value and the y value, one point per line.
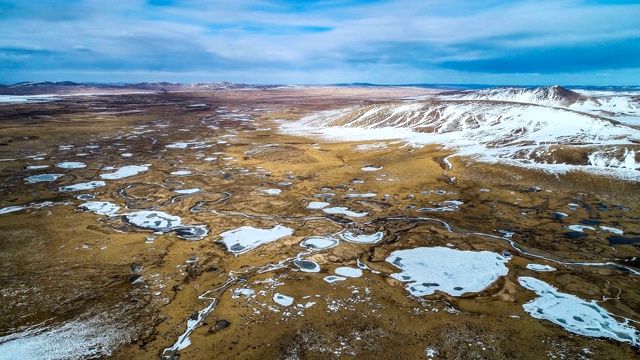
69	87
62	87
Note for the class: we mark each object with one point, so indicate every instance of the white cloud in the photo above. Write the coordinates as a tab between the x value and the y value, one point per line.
402	35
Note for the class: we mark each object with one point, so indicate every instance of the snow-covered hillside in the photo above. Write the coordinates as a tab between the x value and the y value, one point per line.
556	96
623	107
488	127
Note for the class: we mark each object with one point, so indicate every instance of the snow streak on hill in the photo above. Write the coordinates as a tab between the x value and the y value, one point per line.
527	127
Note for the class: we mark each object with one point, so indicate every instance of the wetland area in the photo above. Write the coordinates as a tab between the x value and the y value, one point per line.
202	225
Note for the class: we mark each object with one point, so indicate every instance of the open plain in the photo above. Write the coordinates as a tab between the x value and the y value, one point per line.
158	225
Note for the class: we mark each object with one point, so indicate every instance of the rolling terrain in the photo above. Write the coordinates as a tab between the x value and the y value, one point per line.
529	127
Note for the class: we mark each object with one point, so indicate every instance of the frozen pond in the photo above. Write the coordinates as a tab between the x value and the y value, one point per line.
307	266
344	211
155	220
83	186
100	207
125	171
42	178
319	243
574	314
348	271
540	267
162	222
245	238
316	205
331	279
455	272
283	300
362	238
71	165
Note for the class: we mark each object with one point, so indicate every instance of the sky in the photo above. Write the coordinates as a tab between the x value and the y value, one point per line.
501	42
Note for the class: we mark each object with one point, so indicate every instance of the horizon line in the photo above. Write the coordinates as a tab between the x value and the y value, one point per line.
361	84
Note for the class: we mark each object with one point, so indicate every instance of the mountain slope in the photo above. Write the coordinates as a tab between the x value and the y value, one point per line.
531	135
624	107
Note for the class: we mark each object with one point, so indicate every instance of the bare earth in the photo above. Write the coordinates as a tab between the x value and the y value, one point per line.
137	290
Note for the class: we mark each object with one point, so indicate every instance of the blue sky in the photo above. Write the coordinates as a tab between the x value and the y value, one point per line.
569	42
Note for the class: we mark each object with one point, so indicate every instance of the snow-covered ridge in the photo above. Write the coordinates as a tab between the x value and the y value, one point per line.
620	106
556	96
527	134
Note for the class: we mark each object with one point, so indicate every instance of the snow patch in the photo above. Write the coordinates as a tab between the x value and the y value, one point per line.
78	339
272	191
371	168
187	191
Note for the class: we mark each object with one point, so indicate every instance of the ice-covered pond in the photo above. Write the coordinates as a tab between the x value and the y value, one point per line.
575	314
453	271
125	171
42	178
245	238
